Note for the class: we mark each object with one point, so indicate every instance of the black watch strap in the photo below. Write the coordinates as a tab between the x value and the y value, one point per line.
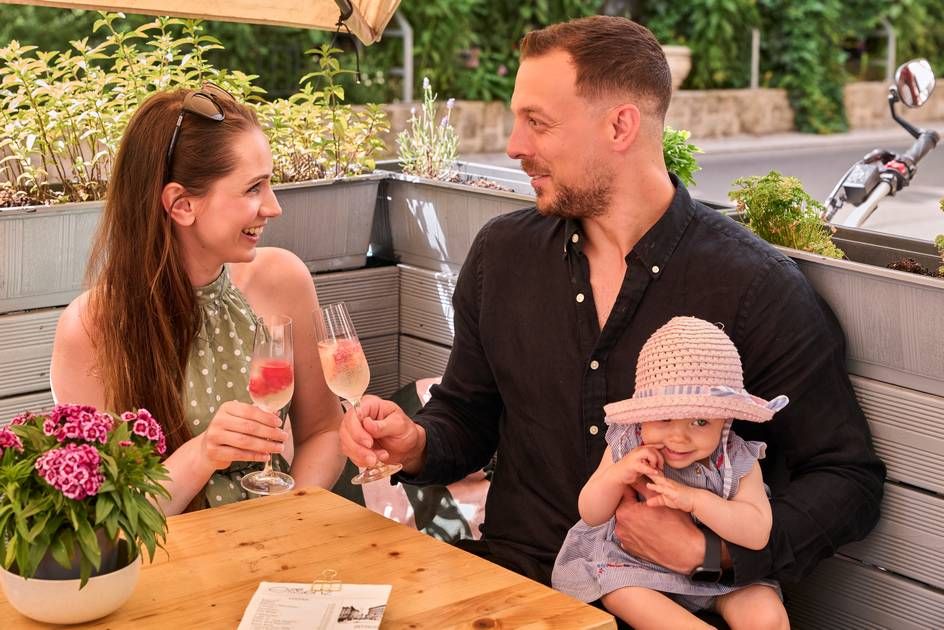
712	549
710	569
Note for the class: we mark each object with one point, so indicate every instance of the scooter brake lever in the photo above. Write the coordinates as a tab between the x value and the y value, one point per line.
878	155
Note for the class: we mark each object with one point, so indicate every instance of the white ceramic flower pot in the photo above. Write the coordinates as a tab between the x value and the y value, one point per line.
680	63
62	602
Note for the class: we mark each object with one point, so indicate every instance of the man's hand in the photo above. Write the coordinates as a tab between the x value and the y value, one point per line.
660	535
379	431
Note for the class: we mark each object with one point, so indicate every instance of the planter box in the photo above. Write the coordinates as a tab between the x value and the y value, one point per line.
15	405
845	594
43	251
326	223
894	321
431	224
372	297
383	357
421	359
426	304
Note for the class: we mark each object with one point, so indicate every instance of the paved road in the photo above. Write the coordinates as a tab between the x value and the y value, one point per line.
819	161
913	212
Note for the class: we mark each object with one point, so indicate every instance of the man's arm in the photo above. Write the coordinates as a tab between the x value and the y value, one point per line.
826	481
461	418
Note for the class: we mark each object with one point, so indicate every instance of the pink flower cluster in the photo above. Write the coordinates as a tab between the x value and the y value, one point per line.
73	470
9	439
23	418
144	424
78	422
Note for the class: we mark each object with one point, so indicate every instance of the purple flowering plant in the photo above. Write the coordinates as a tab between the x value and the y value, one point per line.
74	470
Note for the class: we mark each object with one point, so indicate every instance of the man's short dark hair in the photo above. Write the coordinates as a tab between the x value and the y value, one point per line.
613	56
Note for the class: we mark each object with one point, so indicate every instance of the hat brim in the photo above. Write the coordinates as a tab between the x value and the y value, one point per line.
651	408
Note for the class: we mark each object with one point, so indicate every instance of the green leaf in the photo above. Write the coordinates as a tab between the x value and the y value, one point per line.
88	543
60	553
38	526
103	507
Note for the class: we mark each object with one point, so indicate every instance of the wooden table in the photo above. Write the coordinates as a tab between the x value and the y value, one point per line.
216	558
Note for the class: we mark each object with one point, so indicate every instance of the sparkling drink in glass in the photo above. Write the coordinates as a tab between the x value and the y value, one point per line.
345	370
271	385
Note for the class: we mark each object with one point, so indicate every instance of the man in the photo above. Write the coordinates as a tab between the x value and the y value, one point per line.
553	305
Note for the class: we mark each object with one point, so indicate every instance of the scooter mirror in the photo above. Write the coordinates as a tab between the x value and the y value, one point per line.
915	81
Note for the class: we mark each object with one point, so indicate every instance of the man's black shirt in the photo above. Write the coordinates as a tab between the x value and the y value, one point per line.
530	371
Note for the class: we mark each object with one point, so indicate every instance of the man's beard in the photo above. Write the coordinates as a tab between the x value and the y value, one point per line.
571	202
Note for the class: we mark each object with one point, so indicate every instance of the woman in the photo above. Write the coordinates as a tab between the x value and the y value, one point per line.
177	286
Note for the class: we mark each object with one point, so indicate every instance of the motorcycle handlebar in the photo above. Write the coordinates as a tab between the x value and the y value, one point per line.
925	142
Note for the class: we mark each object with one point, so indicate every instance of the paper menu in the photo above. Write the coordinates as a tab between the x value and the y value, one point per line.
292	606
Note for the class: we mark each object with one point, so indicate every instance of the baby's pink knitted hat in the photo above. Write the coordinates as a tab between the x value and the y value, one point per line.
689	368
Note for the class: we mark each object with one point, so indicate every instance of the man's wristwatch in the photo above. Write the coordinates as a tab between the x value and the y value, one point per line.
710	568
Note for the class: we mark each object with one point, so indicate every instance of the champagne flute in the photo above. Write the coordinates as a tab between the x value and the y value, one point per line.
345	370
271	385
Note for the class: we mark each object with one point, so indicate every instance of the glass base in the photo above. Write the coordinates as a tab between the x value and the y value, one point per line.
267	482
380	471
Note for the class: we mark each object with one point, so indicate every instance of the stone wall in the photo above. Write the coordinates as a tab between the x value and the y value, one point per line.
867	106
718	113
484	127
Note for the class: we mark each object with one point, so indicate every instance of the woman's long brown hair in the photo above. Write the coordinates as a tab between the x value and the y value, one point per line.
143	312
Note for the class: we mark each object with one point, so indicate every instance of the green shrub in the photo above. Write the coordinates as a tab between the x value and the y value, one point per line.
679	154
778	210
314	135
62	113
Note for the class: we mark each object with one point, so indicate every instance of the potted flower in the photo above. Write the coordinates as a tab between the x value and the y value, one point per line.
77	502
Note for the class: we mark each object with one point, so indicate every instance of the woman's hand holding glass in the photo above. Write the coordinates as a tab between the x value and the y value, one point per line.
271	386
241	432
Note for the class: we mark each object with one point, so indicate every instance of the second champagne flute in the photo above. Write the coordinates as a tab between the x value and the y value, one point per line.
345	370
271	385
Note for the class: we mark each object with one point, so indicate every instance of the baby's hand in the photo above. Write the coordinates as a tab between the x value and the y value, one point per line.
642	460
671	494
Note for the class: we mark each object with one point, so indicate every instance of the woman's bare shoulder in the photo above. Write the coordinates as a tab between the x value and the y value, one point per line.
73	331
275	278
272	265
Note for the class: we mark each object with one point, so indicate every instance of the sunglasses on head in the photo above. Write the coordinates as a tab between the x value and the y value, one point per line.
204	102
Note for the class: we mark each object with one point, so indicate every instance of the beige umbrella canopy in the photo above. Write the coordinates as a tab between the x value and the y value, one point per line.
367	18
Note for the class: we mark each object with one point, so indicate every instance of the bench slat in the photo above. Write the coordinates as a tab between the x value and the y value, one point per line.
16	405
25	350
843	593
908	431
421	359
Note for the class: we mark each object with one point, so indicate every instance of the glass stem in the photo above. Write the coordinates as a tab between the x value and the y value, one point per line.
270	463
356	403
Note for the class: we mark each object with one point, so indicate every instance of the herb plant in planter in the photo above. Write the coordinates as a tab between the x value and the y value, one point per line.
324	152
890	318
779	210
76	486
62	114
